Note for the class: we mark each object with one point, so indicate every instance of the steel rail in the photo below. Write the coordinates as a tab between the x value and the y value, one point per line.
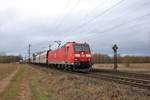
123	73
142	83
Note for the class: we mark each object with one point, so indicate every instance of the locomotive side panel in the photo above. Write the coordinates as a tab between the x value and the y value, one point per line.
69	53
61	55
57	56
51	57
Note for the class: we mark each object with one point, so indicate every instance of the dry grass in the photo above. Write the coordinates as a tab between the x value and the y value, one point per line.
32	83
138	67
7	69
56	85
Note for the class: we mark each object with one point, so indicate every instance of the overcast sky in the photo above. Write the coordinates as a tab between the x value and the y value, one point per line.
101	23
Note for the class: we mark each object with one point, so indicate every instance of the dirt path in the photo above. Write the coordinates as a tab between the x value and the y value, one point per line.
6	81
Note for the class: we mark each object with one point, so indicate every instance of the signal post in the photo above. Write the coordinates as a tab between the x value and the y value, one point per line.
115	48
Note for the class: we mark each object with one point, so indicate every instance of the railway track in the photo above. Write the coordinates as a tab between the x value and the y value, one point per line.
123	73
136	82
125	78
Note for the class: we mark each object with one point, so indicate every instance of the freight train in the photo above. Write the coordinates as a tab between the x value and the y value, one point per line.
71	56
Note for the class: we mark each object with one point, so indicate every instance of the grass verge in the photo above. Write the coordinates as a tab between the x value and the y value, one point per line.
38	92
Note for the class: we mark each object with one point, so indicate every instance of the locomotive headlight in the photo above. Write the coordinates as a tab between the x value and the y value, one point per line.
77	55
88	55
76	59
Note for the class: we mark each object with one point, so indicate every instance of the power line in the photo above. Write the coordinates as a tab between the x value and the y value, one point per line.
101	14
121	24
41	47
97	7
59	17
60	22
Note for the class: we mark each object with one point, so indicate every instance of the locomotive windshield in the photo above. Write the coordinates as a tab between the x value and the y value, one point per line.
81	47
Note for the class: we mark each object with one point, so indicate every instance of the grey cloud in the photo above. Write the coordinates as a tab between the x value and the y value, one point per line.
125	25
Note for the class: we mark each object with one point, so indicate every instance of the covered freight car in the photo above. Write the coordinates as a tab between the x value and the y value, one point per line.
39	58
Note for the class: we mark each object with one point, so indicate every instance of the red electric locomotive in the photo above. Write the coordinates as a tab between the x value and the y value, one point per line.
72	56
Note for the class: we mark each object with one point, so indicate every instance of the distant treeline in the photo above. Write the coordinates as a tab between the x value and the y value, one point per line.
10	59
102	58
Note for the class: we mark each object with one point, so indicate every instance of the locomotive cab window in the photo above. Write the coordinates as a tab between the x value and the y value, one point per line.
83	47
78	47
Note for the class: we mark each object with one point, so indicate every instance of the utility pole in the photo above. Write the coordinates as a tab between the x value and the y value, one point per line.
29	52
115	48
25	59
58	42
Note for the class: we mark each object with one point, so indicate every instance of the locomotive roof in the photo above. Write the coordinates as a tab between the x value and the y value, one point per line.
75	43
39	53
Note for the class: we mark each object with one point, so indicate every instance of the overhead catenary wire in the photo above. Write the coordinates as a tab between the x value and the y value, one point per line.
58	19
35	48
121	24
99	15
60	22
117	26
42	46
97	7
